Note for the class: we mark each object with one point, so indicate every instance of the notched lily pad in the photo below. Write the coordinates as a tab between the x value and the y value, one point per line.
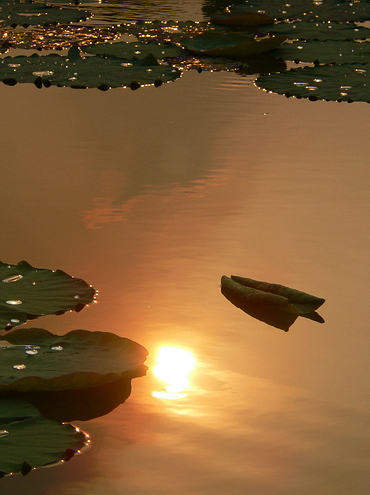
28	441
325	52
347	82
33	14
27	292
37	360
232	45
274	304
319	31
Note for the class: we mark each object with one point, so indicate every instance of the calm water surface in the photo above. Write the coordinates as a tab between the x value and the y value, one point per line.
151	196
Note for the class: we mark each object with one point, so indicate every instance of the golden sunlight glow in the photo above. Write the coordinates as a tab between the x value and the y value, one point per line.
173	367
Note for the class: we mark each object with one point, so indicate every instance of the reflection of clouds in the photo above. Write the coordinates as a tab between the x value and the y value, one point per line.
244	435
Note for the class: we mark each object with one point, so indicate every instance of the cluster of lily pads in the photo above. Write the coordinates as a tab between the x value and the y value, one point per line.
47	380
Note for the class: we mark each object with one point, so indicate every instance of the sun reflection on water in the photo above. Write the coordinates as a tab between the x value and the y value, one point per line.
173	367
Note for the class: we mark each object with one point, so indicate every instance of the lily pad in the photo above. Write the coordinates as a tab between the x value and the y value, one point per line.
37	360
274	304
328	10
27	292
138	50
232	45
28	441
90	72
33	14
319	31
325	52
347	82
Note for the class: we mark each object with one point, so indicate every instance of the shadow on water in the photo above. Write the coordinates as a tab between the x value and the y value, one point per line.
82	405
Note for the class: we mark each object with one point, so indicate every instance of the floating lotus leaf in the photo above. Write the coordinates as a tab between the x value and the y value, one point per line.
328	10
325	52
320	31
347	82
274	304
90	72
241	19
37	360
27	440
32	14
27	292
230	45
139	50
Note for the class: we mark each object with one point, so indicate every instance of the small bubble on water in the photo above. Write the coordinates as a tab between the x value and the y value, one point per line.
76	296
19	366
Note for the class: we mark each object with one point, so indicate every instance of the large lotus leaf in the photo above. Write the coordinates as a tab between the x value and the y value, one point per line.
328	10
89	72
139	50
348	82
325	52
230	45
27	292
320	31
39	360
27	440
28	13
274	304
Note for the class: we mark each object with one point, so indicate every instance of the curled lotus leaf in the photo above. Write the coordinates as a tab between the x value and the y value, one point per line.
325	52
28	440
320	31
34	14
38	360
91	72
230	45
138	50
329	10
347	82
274	304
27	292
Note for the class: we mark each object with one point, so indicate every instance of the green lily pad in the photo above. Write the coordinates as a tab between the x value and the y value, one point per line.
319	31
37	360
28	441
33	14
274	304
328	10
325	52
136	49
27	292
90	72
347	82
230	45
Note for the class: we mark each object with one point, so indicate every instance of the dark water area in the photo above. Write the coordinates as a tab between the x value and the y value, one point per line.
151	196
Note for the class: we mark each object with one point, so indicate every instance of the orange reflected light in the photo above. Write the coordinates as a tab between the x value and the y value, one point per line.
173	367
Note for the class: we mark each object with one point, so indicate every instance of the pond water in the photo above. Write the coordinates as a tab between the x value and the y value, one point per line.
151	196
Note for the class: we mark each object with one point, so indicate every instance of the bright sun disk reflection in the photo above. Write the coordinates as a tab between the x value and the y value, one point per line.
173	367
